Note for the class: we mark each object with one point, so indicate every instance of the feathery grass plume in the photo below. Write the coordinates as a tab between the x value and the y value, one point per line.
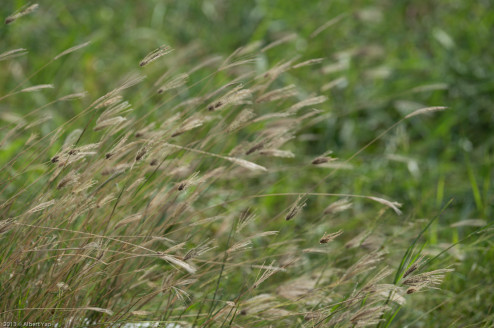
12	54
175	248
296	207
395	206
6	225
37	88
72	96
70	155
358	240
273	73
258	304
241	120
129	219
83	185
298	288
323	160
277	153
41	206
330	237
173	260
109	122
469	223
341	65
114	95
339	82
44	118
116	108
71	50
190	124
199	250
12	118
130	80
70	179
141	153
181	295
246	164
155	54
238	63
263	234
174	83
25	10
235	97
369	315
307	102
190	181
110	99
364	264
286	38
237	86
425	110
246	216
336	165
281	93
106	200
72	138
241	245
241	162
33	136
97	309
338	206
415	265
308	62
230	58
269	270
256	147
431	279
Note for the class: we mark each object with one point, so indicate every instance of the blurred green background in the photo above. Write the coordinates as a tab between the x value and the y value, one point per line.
386	59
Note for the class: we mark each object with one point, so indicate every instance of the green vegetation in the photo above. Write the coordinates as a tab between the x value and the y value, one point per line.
278	163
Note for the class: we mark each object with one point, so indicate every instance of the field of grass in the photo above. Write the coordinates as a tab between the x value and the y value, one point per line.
258	163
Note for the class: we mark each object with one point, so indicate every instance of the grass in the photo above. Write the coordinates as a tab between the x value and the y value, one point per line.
297	181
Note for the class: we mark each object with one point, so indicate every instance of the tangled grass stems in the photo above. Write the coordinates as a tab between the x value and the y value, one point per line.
139	223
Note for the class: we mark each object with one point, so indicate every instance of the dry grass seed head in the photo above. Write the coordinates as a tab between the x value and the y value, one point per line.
286	38
277	153
338	206
37	88
368	316
21	12
296	207
364	264
425	280
175	83
12	54
330	237
307	102
425	110
395	206
277	94
308	62
155	54
41	206
268	272
71	50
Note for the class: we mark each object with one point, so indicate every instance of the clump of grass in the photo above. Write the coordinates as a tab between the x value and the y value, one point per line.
160	216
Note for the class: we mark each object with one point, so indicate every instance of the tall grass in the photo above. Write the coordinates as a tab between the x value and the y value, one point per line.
195	204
